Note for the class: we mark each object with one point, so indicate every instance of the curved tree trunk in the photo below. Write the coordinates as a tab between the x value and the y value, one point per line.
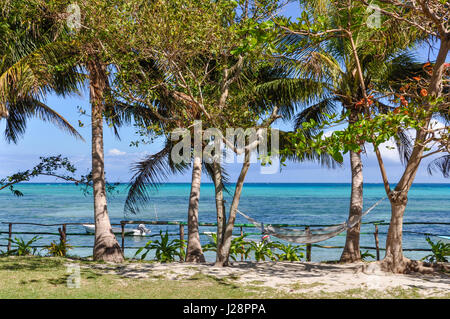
351	251
106	247
194	251
223	247
220	203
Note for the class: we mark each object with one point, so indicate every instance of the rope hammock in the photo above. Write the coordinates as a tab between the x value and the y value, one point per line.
308	236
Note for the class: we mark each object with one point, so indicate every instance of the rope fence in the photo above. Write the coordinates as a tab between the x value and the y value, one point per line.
63	234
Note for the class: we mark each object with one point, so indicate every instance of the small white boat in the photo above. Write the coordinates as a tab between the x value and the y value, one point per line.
445	238
141	230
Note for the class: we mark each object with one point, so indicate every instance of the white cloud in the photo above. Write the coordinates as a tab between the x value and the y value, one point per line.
388	151
116	152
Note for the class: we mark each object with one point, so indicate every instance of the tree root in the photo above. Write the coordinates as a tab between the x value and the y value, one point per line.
108	254
407	266
195	258
348	259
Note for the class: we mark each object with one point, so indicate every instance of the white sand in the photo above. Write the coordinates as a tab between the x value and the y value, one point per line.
298	277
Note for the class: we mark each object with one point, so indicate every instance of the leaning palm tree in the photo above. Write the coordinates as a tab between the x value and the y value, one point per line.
166	109
154	169
259	90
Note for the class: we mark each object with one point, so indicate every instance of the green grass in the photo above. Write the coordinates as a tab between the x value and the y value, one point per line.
45	277
35	277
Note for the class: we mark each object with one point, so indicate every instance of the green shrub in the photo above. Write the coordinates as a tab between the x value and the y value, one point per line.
261	250
22	248
289	252
165	250
366	254
440	251
237	248
58	249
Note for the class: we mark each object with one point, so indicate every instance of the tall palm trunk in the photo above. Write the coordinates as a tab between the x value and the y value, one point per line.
106	247
351	251
194	249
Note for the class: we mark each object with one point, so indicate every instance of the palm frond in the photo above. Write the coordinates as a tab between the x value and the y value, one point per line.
404	146
24	110
441	165
225	177
150	173
315	112
289	93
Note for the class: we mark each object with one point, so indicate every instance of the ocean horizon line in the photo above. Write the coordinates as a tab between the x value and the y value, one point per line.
247	183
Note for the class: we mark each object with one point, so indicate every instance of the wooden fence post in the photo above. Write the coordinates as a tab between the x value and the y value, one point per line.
181	241
62	237
376	242
242	234
122	224
308	247
10	236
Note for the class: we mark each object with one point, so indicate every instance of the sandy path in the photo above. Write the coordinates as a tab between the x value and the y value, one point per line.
299	277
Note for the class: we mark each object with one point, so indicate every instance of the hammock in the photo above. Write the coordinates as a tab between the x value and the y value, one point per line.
308	236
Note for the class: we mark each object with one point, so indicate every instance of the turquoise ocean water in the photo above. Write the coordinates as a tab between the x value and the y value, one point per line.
268	203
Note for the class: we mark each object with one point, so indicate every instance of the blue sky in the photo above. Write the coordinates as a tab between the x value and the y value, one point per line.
44	139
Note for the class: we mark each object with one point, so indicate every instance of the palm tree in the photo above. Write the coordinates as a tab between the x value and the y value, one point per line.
29	58
167	109
327	77
26	77
154	169
262	88
27	73
347	93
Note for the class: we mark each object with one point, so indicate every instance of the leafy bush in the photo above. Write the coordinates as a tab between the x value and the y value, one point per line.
237	248
289	252
165	250
366	254
22	248
440	251
261	250
212	245
58	249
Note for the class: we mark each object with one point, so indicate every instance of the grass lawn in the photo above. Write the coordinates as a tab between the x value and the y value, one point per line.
45	277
